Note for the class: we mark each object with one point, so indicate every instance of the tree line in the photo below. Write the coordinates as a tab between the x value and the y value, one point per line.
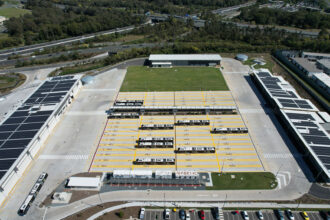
48	22
300	19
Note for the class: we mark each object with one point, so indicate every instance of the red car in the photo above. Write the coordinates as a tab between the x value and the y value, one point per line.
202	214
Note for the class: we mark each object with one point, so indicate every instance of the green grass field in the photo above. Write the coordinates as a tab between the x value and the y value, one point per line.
253	180
141	78
13	12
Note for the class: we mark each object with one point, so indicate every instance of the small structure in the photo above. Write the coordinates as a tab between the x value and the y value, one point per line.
241	57
87	80
168	60
186	174
163	174
259	61
84	182
61	197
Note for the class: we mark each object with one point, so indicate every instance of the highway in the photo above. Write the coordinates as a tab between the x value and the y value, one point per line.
31	48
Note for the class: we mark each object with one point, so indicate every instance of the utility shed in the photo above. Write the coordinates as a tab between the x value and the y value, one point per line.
164	60
163	174
84	182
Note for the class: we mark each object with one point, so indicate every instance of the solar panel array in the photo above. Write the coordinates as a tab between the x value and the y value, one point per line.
271	85
317	139
288	98
295	103
17	131
301	119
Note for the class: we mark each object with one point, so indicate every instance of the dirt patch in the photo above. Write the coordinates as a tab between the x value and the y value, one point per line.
125	212
91	211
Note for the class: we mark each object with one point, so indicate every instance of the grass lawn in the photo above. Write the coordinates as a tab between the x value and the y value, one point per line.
13	12
244	180
269	65
10	81
141	78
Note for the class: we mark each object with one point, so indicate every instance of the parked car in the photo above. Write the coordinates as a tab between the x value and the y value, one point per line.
279	214
305	215
245	215
182	214
260	215
289	214
188	216
202	214
167	214
142	211
216	213
325	215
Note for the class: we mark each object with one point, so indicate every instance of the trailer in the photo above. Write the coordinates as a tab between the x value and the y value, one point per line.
155	139
124	115
192	150
154	145
192	122
128	103
157	127
229	130
154	161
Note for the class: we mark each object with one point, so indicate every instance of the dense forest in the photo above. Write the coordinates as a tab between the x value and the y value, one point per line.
300	19
48	22
161	6
254	39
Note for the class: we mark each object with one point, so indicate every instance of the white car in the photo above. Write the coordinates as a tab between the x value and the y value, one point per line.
142	211
167	214
260	215
245	215
187	216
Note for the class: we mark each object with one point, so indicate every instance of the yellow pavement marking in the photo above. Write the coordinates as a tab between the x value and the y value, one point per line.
214	160
112	166
237	154
242	166
113	160
198	166
207	139
216	151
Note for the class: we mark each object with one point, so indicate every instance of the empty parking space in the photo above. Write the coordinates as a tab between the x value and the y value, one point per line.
233	152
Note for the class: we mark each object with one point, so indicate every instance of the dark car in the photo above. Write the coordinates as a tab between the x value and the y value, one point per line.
182	214
215	212
279	214
325	215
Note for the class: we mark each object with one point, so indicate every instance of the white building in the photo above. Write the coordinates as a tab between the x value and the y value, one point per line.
168	60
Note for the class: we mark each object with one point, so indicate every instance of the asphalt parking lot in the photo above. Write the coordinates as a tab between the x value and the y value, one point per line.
234	152
151	214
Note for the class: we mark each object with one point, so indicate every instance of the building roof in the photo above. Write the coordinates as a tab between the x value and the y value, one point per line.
169	57
317	54
309	66
325	63
324	78
84	182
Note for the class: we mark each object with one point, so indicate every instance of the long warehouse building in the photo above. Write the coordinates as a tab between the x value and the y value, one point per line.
169	60
23	132
301	118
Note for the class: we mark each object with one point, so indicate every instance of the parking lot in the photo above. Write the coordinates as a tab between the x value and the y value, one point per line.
234	152
151	214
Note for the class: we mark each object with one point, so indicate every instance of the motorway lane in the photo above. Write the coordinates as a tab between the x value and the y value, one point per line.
26	49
